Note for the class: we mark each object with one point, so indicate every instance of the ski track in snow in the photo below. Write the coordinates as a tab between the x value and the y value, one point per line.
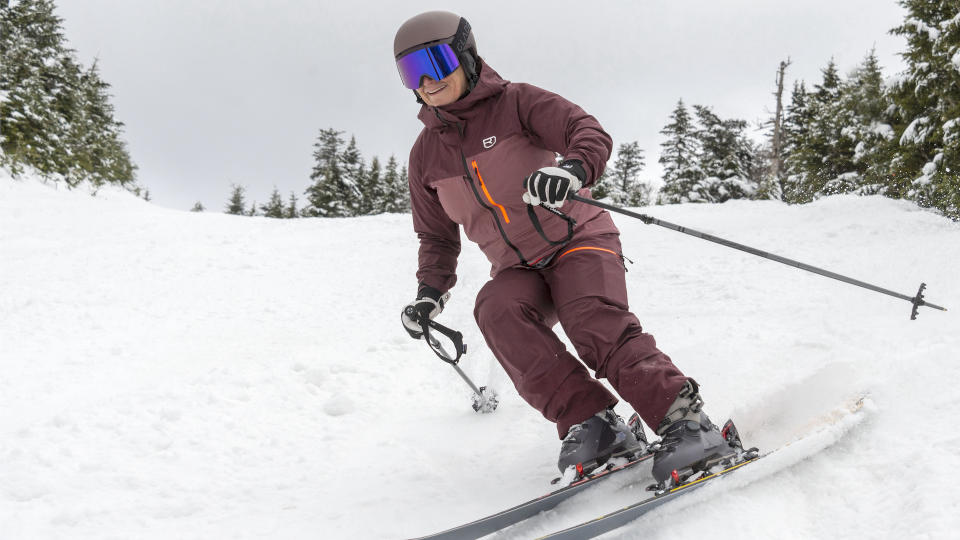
172	374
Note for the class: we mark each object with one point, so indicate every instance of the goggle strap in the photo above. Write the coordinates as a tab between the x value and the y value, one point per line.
460	38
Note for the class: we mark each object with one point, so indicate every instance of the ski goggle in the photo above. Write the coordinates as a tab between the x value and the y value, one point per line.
435	61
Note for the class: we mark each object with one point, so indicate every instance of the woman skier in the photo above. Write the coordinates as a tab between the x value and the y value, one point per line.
486	161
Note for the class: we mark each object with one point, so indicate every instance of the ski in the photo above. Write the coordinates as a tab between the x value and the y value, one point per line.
621	517
512	516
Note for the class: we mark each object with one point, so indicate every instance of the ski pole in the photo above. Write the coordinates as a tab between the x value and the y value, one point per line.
917	300
484	400
437	346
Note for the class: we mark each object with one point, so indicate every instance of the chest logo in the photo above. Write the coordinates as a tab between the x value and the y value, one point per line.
489	142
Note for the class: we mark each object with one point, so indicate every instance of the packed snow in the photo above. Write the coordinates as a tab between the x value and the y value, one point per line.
167	374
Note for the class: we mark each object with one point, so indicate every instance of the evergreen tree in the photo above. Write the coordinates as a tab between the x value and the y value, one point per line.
823	134
372	190
808	152
395	188
95	141
291	211
353	171
622	182
822	160
252	211
33	49
377	191
725	158
274	207
237	203
797	151
832	169
343	185
838	173
927	112
55	117
680	171
601	188
198	207
866	103
330	195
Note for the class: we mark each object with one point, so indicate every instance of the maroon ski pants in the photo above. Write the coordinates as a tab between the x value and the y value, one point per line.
584	289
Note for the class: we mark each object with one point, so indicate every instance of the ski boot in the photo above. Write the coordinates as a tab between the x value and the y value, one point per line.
592	442
690	442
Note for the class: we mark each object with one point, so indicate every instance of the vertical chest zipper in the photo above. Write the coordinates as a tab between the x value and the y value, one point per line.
486	192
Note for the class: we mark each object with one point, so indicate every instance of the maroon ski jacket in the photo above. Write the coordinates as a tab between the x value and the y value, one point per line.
467	169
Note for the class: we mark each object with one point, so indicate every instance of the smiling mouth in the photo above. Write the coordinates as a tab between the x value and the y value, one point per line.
432	92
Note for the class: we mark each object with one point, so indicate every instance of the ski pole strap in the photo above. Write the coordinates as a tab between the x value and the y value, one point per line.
571	223
455	337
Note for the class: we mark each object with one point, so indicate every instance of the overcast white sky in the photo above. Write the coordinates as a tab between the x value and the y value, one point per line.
215	92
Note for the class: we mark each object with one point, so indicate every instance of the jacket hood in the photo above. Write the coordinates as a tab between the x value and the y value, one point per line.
490	84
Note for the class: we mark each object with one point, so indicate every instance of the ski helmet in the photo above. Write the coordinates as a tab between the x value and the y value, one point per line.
435	44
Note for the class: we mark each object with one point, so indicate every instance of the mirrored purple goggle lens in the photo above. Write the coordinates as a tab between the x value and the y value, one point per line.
436	62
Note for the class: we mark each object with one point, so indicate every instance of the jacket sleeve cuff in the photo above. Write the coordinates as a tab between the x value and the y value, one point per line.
426	291
575	166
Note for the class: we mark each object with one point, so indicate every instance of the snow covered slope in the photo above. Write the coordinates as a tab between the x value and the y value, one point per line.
167	374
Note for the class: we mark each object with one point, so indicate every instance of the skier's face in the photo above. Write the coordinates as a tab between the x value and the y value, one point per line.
445	91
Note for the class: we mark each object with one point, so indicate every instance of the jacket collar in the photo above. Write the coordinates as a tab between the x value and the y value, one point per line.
489	85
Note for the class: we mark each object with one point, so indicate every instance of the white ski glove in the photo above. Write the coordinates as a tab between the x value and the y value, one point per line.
552	185
429	304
